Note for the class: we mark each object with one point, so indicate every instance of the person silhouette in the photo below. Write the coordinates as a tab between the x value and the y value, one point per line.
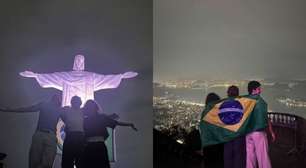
74	139
77	82
213	154
44	142
95	152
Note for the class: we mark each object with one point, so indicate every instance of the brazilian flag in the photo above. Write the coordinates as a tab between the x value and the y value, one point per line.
230	118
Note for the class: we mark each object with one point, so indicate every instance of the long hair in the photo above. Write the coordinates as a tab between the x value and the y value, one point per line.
212	97
90	108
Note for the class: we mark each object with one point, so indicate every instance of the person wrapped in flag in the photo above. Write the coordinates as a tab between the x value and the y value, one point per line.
213	154
231	112
256	141
231	118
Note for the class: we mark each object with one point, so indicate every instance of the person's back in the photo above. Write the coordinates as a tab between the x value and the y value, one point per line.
74	140
213	154
49	115
234	150
97	126
95	152
73	118
256	141
43	146
261	112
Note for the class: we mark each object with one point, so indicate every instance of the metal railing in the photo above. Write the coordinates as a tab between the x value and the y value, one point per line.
289	126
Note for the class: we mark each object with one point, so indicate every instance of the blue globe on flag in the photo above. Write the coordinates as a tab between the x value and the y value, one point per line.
230	112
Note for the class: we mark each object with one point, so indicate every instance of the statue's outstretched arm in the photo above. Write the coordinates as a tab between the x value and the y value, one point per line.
47	80
120	123
28	74
130	74
110	81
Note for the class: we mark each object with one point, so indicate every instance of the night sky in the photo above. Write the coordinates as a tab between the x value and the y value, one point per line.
229	39
44	36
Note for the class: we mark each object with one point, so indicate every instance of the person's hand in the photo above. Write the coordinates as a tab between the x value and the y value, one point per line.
273	136
114	116
28	74
133	127
130	74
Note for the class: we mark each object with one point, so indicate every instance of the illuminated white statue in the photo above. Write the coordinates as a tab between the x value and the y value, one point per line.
78	82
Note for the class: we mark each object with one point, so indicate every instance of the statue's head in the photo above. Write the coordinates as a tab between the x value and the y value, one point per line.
79	63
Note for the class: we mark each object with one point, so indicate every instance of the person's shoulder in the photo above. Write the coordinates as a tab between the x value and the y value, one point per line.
255	97
65	108
261	100
247	96
101	117
212	104
209	106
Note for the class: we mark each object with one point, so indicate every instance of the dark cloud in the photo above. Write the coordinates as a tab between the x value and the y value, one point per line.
229	39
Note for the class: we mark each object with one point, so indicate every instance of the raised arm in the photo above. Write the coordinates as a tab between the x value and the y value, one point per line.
120	123
33	108
48	80
114	116
111	123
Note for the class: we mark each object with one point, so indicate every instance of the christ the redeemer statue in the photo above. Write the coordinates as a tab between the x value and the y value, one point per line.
78	82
